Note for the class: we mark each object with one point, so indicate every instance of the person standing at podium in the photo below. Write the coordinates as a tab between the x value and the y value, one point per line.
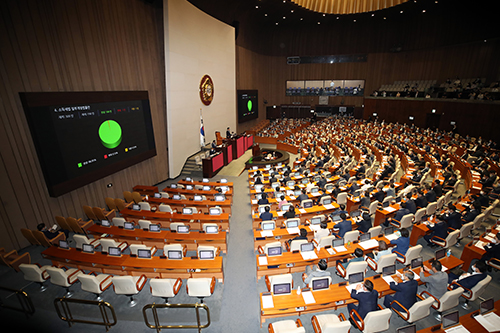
228	133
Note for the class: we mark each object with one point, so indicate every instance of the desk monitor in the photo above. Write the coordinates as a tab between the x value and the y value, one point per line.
290	183
215	211
198	197
282	289
63	244
364	237
206	254
316	178
136	207
316	220
329	187
176	197
219	197
337	242
189	187
205	180
88	248
157	195
206	188
356	278
144	253
450	319
355	213
487	305
327	201
336	218
388	231
223	180
417	262
320	284
258	187
297	193
305	181
275	185
386	204
114	251
128	226
258	196
211	229
407	329
182	229
389	270
268	225
278	194
187	211
105	223
154	227
262	209
285	207
174	254
297	174
441	253
274	251
308	204
173	185
306	247
188	179
292	223
224	188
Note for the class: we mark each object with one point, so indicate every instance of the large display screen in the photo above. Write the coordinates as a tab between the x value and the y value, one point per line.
248	105
81	137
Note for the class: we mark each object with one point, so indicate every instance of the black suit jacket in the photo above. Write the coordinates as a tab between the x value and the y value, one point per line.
367	301
406	294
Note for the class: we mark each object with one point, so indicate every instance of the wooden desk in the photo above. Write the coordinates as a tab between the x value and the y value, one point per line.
159	239
309	212
179	204
329	299
193	192
145	189
194	182
127	265
467	321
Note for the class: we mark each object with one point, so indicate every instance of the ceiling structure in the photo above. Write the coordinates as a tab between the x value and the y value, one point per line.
346	6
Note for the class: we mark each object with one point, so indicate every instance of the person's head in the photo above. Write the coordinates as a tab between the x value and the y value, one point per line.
322	265
479	266
343	216
366	216
408	196
323	225
304	191
291	208
267	208
358	252
409	275
405	233
451	207
382	246
342	207
303	232
282	198
436	266
40	226
264	196
368	284
403	205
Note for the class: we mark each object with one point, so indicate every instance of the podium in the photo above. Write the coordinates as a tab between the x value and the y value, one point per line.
212	165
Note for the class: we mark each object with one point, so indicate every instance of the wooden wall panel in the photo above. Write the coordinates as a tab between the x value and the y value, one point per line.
76	45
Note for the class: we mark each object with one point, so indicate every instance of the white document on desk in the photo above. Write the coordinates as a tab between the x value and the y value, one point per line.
369	244
390	209
267	302
293	231
266	233
315	227
262	260
351	287
254	202
309	255
302	211
392	237
329	206
317	194
457	329
490	321
308	297
388	279
340	248
480	244
280	213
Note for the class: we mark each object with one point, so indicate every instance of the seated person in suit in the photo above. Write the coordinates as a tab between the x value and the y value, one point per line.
437	281
52	232
379	195
439	229
365	201
290	214
417	177
214	145
492	250
406	292
430	195
402	211
303	196
410	204
312	273
469	214
322	182
343	226
266	215
367	298
354	187
421	200
383	249
322	232
263	199
357	256
391	191
468	280
339	211
258	181
438	189
365	224
402	243
302	235
452	217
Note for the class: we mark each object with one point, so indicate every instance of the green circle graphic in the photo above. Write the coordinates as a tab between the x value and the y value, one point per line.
110	133
249	105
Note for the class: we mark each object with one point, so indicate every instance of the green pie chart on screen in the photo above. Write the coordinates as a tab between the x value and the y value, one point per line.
249	105
110	133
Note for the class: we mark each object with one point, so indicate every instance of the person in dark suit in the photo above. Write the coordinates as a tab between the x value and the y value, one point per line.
258	181
421	201
302	235
322	182
354	187
402	211
367	298
430	195
303	196
266	215
379	195
343	226
290	214
438	189
410	204
263	199
402	243
228	133
439	229
492	250
364	202
406	292
467	280
365	224
452	217
468	215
